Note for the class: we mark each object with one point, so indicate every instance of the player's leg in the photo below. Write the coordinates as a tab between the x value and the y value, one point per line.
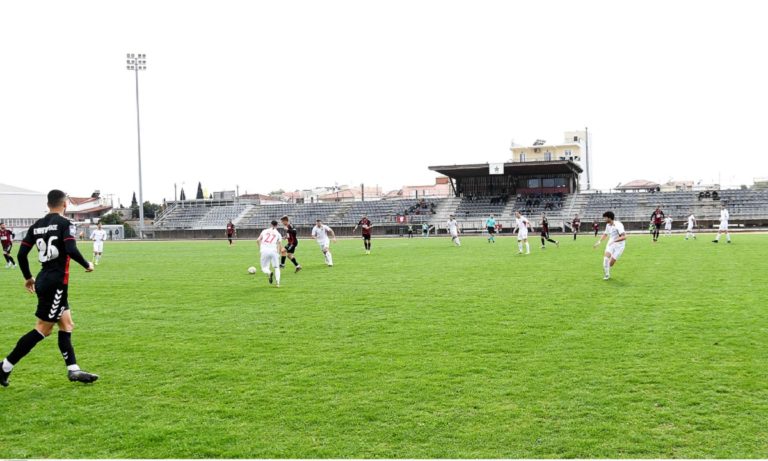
519	244
527	247
607	265
276	265
74	373
543	241
265	261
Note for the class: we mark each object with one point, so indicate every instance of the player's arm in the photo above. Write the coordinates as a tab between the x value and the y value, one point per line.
600	240
622	237
70	247
333	234
24	249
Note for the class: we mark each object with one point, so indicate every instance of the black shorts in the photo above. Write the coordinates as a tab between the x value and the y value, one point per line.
658	226
7	250
51	298
491	230
291	248
545	234
366	236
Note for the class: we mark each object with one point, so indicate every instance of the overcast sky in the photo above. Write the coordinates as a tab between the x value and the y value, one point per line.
295	94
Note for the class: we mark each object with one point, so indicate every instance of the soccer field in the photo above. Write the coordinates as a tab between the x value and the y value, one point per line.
419	350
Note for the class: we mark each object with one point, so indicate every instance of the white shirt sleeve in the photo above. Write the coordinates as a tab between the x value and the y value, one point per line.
619	228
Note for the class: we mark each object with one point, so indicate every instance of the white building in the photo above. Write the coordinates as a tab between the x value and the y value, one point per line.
20	207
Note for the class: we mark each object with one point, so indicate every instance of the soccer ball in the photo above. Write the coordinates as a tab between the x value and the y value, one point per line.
251	270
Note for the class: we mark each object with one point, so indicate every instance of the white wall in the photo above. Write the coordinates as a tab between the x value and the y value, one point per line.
22	205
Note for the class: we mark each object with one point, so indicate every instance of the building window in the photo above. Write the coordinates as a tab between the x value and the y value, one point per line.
522	156
575	139
534	183
548	156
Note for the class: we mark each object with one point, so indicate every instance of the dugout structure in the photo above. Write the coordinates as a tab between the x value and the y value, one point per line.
512	178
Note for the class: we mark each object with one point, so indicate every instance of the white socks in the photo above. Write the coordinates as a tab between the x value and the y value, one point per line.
73	368
527	247
520	246
7	366
277	274
328	258
607	265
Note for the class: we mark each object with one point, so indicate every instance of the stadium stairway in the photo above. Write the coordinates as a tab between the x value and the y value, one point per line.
341	213
445	209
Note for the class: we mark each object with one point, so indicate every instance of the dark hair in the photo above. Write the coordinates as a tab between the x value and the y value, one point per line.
284	218
274	223
609	215
56	198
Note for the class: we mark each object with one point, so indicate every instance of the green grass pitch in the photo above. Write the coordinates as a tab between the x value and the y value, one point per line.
418	350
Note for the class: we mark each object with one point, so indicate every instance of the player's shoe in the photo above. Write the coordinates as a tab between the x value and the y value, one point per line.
728	241
271	277
606	277
81	376
282	266
330	265
4	376
298	268
557	244
715	241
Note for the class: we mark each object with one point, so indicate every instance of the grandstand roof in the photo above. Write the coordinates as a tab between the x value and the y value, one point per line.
510	168
8	189
639	184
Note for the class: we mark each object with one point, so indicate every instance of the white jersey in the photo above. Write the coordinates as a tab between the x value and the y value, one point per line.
724	215
614	231
99	235
691	221
269	240
667	223
321	233
453	227
522	223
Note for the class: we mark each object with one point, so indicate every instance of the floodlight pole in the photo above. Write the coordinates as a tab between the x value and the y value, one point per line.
137	62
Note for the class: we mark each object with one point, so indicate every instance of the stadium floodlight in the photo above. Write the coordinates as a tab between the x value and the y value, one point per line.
136	62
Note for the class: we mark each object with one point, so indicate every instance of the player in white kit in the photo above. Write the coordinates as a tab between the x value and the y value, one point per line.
269	246
689	230
724	216
321	233
521	225
668	225
617	239
98	236
453	229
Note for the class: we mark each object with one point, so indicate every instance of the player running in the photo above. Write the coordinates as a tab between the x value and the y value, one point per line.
595	227
269	247
668	225
689	229
98	236
617	238
575	226
6	240
521	226
52	235
290	249
366	225
453	229
231	232
724	216
545	232
490	224
657	218
321	234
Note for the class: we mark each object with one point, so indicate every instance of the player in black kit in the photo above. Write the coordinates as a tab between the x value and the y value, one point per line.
53	235
293	242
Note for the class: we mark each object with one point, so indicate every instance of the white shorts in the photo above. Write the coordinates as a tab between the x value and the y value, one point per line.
667	227
269	258
324	244
723	226
98	247
690	227
522	233
615	249
454	234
